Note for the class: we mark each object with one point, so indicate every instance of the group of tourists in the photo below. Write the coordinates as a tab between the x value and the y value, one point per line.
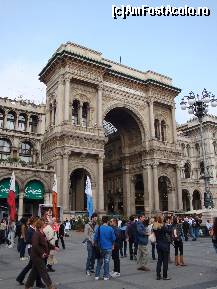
108	240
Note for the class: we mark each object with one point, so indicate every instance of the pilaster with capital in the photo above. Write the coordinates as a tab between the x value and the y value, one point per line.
65	182
132	196
155	187
151	119
80	118
100	185
148	188
99	106
20	209
174	124
67	97
126	192
60	175
60	101
179	189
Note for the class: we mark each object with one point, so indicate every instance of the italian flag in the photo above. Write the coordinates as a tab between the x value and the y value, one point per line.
54	198
11	199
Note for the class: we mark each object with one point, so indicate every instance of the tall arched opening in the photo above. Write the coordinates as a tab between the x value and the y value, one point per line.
196	202
186	200
164	187
77	196
124	135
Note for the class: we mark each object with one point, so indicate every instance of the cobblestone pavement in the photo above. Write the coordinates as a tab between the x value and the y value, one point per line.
201	272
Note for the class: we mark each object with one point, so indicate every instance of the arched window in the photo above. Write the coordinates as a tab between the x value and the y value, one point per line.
33	123
187	170
22	123
163	130
50	113
26	151
215	148
197	149
157	128
75	112
85	113
2	115
202	170
11	120
188	150
5	148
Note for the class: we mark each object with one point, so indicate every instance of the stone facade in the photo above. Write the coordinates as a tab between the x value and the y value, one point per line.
86	93
192	167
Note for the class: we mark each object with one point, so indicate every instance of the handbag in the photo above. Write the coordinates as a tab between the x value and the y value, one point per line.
152	237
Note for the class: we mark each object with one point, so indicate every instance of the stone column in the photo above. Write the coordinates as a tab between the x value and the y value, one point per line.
151	120
179	203
155	186
60	101
67	98
60	175
20	209
47	198
174	124
16	121
65	174
190	200
27	123
126	192
99	106
5	119
148	189
100	186
132	197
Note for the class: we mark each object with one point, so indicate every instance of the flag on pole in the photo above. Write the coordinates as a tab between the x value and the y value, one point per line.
54	198
11	198
88	192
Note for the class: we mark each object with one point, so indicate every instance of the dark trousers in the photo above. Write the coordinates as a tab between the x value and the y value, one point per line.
153	245
22	248
123	246
163	257
90	256
38	267
132	248
62	242
178	248
116	259
25	270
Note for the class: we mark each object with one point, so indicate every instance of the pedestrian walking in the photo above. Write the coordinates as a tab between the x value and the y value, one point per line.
131	236
161	231
23	236
39	252
178	237
123	239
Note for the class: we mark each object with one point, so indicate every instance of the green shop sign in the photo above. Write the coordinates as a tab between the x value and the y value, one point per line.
4	188
34	190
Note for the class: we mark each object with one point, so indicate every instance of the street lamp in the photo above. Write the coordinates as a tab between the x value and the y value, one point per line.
198	106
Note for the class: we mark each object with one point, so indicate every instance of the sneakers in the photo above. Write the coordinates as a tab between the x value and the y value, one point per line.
106	278
115	274
24	258
166	278
96	278
88	273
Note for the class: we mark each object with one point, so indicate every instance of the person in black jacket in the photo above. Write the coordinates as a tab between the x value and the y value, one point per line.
162	232
30	232
61	234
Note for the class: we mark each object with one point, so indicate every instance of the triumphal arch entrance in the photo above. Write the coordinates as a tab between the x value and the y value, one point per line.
114	124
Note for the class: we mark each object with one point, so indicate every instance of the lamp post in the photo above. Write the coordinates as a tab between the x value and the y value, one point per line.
198	106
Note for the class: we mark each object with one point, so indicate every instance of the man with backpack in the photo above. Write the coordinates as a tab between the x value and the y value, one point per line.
115	252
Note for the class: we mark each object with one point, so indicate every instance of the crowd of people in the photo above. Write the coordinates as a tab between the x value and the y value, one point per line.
109	239
106	239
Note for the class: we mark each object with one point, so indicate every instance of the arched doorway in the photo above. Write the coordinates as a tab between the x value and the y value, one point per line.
124	135
77	196
196	202
33	196
186	200
164	187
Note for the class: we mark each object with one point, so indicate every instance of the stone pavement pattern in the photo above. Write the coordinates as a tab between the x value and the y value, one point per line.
201	272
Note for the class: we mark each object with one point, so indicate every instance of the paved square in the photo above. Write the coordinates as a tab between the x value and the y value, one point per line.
201	272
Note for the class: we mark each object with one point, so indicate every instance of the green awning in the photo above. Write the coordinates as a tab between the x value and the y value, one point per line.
34	190
4	188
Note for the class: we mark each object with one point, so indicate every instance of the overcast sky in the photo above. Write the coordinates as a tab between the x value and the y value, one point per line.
184	48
